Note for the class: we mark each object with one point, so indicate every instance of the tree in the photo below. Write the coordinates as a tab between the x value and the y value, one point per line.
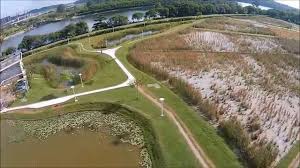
8	51
89	4
163	12
137	16
26	43
117	20
255	3
100	23
250	9
173	12
209	9
69	31
152	13
61	8
81	28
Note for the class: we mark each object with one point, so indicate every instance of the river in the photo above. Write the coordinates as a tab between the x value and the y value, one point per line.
15	40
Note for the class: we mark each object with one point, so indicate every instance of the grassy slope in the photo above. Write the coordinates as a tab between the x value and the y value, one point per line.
287	159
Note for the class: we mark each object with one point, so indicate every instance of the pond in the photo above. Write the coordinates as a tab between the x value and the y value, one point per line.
15	40
81	148
105	138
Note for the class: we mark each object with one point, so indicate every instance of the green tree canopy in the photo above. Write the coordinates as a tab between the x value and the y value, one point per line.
137	16
152	13
81	28
117	20
8	51
61	8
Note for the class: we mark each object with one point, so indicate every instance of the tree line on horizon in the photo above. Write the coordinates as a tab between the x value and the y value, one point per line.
178	8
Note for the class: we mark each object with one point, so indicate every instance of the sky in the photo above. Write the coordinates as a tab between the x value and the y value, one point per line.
293	3
12	7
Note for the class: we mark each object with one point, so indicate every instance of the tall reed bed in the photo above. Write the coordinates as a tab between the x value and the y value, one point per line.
187	91
261	154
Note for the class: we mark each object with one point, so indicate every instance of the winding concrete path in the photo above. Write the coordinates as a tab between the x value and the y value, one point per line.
110	52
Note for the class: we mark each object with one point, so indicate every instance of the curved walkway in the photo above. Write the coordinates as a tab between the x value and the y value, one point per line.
110	52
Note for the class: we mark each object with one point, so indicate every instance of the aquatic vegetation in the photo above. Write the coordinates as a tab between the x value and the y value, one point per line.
114	124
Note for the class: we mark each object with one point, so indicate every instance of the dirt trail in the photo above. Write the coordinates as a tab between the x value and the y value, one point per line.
296	162
188	136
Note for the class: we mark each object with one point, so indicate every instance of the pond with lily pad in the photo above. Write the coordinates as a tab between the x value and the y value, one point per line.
84	139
